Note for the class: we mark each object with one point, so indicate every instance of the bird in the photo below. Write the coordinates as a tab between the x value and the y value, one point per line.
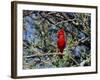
61	43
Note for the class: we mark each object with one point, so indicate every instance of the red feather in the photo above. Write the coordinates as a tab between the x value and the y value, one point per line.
61	40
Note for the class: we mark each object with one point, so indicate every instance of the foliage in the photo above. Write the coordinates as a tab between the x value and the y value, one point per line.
39	39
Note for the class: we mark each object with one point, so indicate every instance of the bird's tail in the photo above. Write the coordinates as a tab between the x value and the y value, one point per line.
60	56
61	50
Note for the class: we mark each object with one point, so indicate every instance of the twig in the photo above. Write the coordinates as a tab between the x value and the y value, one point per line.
74	60
39	54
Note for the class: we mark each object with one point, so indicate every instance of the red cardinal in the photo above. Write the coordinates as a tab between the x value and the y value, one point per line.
61	40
